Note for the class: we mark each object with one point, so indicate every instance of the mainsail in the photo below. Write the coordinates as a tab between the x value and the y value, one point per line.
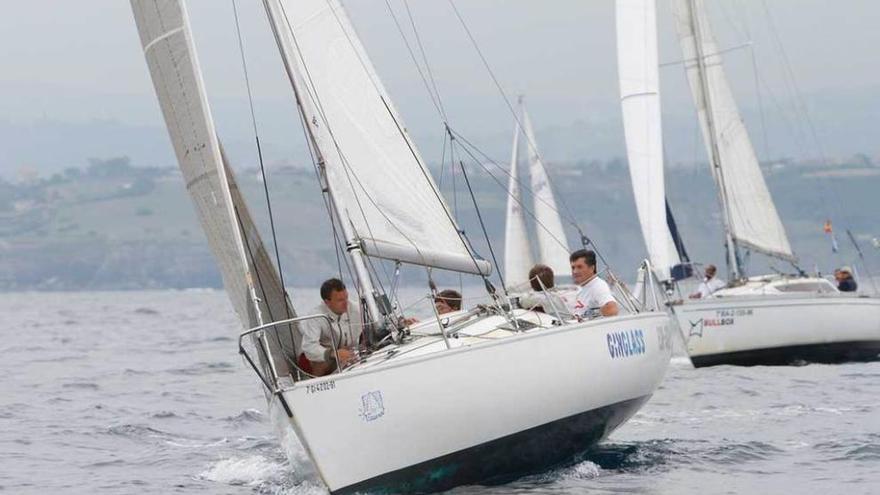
552	243
750	215
638	75
249	276
375	175
517	249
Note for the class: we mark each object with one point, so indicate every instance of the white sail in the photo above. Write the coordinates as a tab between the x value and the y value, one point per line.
374	171
752	217
638	74
552	243
249	277
517	250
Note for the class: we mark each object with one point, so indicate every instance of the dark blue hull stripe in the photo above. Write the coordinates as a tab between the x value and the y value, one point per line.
831	353
527	452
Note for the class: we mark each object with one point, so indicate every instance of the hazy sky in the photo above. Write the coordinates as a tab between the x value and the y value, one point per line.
79	61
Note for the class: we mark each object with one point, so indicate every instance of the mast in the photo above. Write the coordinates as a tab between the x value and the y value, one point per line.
353	244
734	270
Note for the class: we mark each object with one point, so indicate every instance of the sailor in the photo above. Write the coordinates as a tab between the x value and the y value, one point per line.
315	337
594	293
845	280
545	298
709	285
447	301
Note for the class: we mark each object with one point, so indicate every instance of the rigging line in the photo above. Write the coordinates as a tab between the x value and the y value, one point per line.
434	98
800	104
482	224
855	244
792	82
403	134
488	68
252	261
442	164
259	150
507	172
760	105
343	159
685	61
424	57
312	93
522	204
313	156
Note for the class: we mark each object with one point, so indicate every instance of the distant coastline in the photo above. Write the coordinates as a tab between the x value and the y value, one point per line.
113	226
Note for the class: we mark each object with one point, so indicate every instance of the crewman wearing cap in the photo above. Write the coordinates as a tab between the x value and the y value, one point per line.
845	280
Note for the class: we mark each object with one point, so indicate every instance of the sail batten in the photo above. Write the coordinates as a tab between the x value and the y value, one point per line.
638	76
751	215
373	169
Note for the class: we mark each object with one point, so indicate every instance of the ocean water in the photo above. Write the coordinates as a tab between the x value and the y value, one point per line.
144	392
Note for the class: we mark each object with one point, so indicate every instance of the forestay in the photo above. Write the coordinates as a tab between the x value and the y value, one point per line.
640	102
374	171
249	277
517	250
552	244
752	217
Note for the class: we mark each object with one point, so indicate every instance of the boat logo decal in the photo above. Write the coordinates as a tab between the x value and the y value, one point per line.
696	328
723	317
626	343
372	406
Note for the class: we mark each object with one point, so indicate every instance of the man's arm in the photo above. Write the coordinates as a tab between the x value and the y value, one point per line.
609	309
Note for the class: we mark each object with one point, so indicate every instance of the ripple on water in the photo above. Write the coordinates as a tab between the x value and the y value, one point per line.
246	416
204	369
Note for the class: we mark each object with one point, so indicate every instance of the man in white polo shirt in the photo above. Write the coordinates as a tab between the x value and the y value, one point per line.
595	293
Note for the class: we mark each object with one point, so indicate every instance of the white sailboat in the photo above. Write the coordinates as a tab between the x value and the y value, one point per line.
481	396
769	319
552	243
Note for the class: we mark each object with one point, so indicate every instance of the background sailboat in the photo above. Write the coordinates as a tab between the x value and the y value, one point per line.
771	319
552	243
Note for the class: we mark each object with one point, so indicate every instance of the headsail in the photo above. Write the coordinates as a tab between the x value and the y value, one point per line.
552	243
517	250
640	101
374	171
751	215
249	277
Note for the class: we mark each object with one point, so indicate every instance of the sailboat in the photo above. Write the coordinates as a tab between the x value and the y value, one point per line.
553	248
767	319
481	396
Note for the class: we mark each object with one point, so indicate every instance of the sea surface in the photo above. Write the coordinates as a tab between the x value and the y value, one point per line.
144	392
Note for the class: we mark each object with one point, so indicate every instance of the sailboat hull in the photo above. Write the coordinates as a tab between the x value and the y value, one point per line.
484	413
780	329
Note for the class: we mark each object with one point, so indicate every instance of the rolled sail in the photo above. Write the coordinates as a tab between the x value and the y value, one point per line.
638	75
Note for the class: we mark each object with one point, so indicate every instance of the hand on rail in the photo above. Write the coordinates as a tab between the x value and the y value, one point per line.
346	356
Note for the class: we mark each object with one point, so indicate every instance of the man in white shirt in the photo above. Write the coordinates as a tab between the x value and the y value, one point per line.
709	285
314	338
595	293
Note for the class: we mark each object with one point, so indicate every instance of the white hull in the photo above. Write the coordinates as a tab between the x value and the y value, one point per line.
486	410
780	329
